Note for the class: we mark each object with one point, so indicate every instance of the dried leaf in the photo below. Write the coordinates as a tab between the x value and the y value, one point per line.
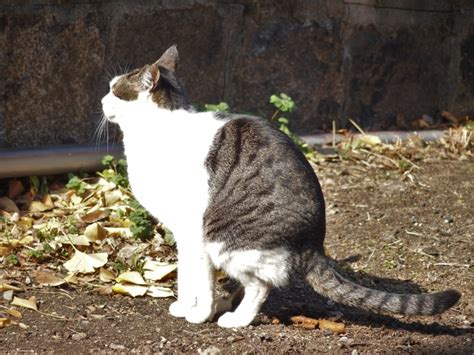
5	250
132	277
14	313
78	240
104	290
336	328
47	278
95	232
305	322
370	140
106	275
159	292
94	216
8	205
85	263
71	279
38	206
155	270
5	322
131	290
21	302
112	197
6	287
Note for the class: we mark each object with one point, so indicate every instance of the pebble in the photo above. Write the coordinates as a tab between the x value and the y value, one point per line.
78	336
116	347
212	350
343	339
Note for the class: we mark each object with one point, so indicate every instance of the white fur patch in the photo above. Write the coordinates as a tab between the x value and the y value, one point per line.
166	152
269	266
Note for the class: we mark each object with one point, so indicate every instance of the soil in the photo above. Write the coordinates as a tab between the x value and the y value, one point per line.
384	231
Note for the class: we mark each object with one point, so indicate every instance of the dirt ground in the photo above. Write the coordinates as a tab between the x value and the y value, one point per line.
385	232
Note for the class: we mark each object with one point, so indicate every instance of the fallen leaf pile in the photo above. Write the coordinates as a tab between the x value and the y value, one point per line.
369	152
83	233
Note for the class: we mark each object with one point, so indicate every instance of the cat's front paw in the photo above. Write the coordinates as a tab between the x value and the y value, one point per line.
179	309
199	315
232	320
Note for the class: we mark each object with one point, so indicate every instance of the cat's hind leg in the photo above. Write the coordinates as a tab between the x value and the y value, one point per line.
255	293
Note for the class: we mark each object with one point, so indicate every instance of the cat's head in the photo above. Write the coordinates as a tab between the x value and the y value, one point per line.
154	84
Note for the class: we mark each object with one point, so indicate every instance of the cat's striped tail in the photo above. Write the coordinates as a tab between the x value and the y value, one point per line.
327	282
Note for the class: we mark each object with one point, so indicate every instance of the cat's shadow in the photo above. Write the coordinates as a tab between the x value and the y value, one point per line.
300	299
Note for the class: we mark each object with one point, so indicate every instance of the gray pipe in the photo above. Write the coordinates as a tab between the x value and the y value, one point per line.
54	160
385	136
65	159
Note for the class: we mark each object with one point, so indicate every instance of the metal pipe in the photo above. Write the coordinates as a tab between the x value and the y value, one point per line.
54	160
65	159
385	136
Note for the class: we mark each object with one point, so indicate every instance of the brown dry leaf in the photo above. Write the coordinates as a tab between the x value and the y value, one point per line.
104	290
336	328
94	216
14	313
21	302
15	188
305	322
5	250
8	205
450	117
6	287
48	278
5	322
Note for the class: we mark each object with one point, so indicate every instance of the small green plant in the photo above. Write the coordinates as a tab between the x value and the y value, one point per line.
76	184
116	171
285	104
36	254
13	259
38	185
142	222
220	107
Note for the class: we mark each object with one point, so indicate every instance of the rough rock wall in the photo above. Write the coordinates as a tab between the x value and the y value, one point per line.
371	60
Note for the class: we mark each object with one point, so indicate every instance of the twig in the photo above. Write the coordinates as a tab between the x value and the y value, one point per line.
357	126
452	264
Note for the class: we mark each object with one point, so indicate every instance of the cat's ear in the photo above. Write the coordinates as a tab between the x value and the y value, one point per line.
169	59
149	76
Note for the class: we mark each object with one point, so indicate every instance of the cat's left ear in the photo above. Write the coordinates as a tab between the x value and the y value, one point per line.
149	77
169	59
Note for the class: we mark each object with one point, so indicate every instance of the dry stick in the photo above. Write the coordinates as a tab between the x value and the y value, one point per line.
452	264
333	134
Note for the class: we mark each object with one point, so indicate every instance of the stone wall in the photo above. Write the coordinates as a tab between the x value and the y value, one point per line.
382	62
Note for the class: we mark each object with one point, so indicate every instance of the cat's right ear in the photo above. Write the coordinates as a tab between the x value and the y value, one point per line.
169	59
149	77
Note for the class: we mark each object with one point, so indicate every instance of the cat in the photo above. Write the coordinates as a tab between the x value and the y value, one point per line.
238	195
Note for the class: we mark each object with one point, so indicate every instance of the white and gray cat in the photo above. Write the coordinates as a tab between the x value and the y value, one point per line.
238	195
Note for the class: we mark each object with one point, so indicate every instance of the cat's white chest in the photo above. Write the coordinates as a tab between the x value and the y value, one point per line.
166	165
